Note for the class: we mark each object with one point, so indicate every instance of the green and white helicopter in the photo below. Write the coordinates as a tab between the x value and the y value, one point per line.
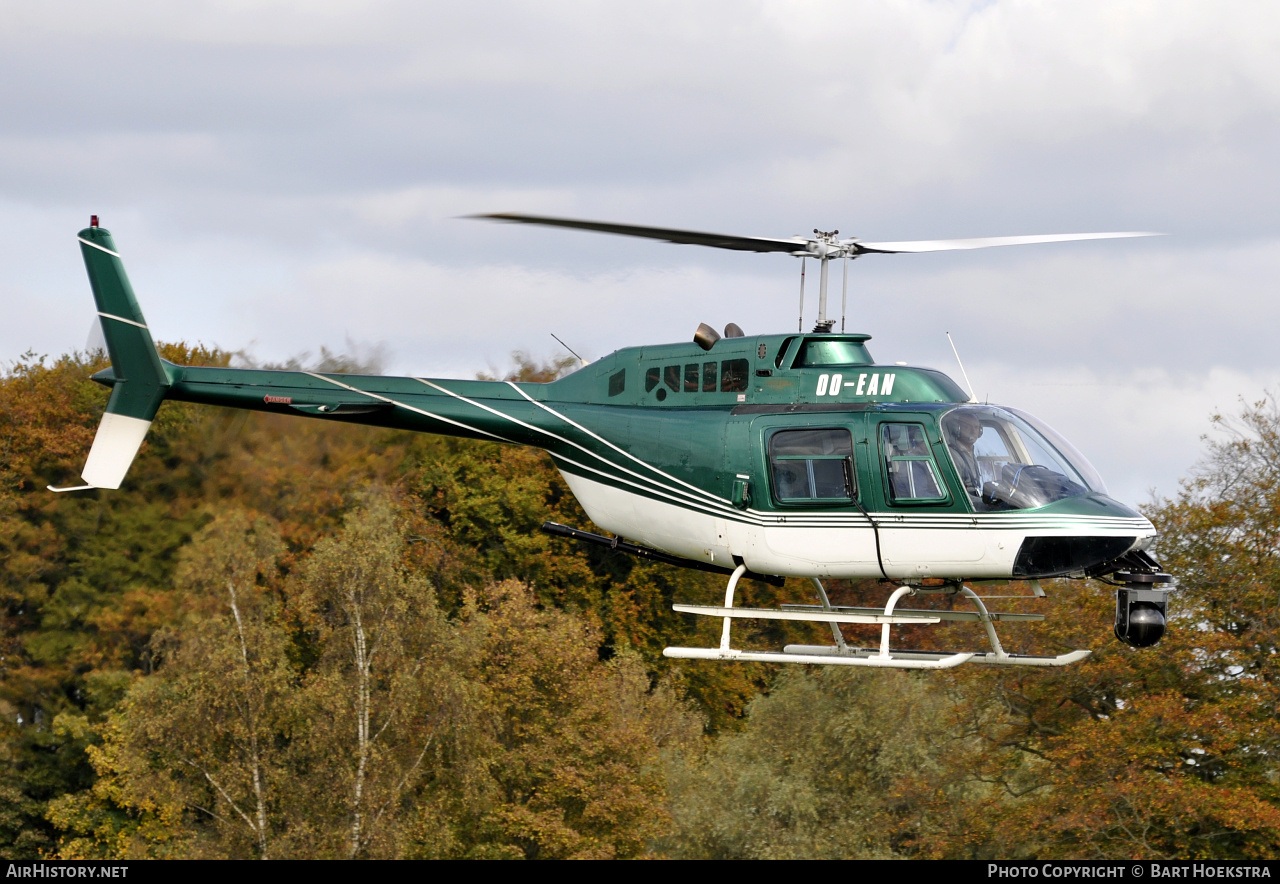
770	456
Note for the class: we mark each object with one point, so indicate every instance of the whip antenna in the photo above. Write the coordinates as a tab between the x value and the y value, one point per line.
972	397
567	347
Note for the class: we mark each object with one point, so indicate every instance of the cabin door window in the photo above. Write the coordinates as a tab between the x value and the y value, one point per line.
812	466
909	464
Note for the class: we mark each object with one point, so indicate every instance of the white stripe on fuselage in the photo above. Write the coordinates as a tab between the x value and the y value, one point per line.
665	490
721	501
908	520
652	487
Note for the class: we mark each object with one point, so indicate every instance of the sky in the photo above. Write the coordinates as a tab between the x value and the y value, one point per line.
286	176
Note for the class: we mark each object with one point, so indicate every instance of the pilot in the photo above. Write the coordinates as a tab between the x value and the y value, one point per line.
963	432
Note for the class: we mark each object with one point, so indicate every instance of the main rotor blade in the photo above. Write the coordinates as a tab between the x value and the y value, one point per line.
687	237
944	245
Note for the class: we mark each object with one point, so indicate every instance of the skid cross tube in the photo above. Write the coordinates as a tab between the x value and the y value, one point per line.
826	606
728	603
986	622
997	656
888	611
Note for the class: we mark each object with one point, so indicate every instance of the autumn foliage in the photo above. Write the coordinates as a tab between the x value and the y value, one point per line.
288	638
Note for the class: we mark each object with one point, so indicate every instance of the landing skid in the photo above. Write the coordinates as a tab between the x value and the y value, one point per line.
841	654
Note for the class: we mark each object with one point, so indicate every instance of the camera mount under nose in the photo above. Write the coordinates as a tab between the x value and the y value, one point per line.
1142	607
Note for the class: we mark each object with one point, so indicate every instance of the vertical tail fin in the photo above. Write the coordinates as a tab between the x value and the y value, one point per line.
140	377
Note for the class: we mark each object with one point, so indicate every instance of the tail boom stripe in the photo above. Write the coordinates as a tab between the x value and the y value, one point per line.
121	318
98	247
436	417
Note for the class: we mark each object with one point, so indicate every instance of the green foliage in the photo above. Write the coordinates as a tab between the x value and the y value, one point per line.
832	764
574	757
386	689
500	733
1170	751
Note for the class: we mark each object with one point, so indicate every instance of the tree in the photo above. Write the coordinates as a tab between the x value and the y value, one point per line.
339	712
87	579
1164	752
384	690
575	754
80	578
833	763
202	737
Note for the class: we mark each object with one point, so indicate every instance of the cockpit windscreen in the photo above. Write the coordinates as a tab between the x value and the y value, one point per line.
1010	460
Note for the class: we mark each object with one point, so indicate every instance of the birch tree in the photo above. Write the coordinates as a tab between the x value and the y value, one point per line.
383	695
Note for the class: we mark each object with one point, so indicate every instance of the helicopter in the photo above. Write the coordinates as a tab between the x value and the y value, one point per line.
760	457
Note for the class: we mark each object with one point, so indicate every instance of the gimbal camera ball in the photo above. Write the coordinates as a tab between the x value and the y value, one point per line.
1142	608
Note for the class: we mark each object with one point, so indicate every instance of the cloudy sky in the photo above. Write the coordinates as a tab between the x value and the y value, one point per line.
285	175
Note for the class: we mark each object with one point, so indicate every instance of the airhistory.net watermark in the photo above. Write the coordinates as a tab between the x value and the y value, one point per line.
61	870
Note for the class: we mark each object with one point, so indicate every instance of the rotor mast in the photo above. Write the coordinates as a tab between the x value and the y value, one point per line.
824	248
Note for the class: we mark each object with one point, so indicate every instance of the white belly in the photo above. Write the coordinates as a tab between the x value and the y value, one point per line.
835	545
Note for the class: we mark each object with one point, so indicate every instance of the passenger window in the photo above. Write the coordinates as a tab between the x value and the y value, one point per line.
671	377
913	477
617	382
651	378
733	376
691	378
812	466
708	377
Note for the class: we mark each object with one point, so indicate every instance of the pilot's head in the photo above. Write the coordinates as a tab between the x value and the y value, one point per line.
966	428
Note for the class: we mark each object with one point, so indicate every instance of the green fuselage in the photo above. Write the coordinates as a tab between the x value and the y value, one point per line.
692	424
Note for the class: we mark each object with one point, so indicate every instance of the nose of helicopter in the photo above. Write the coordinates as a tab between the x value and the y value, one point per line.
1076	535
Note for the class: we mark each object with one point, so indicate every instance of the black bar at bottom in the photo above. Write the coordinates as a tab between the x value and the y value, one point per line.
644	552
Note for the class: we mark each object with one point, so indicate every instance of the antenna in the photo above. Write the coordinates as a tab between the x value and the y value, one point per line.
567	347
800	322
972	397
